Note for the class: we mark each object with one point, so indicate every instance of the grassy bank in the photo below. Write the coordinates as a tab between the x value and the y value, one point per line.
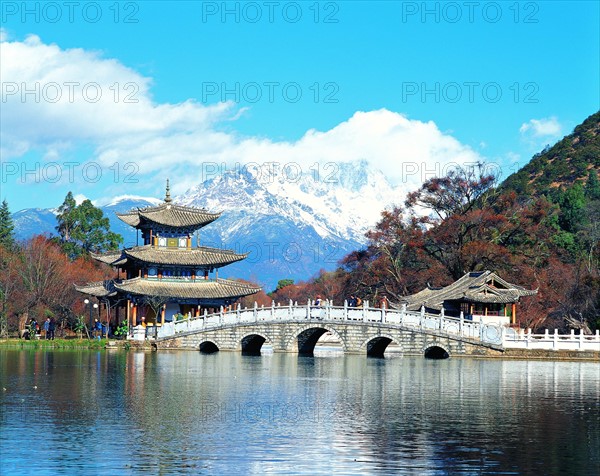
62	343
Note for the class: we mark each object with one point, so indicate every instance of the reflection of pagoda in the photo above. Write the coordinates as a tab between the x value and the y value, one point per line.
167	276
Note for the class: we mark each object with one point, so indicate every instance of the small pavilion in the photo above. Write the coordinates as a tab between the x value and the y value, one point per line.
479	293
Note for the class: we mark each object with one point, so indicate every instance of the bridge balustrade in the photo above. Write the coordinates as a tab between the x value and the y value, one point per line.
293	312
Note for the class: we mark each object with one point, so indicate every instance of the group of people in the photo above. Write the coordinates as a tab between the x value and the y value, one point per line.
49	328
355	301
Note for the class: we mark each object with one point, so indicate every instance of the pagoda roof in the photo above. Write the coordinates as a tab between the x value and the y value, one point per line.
480	286
202	256
184	289
169	214
107	258
98	289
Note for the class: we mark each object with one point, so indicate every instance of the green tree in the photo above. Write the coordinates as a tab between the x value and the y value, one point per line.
282	283
592	187
7	226
572	209
84	228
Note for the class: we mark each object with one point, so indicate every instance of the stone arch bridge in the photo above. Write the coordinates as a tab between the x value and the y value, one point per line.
296	329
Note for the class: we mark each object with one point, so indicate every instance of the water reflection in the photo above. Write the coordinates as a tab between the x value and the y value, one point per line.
185	412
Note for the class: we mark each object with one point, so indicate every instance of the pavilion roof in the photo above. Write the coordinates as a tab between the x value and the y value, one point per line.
98	289
201	256
184	289
108	258
169	214
480	286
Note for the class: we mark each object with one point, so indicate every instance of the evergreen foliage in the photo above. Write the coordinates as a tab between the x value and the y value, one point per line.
7	226
84	228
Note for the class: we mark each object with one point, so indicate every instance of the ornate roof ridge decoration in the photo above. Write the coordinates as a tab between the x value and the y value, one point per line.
201	256
186	289
169	214
476	286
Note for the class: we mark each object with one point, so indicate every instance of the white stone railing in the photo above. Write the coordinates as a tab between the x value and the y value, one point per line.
524	339
438	323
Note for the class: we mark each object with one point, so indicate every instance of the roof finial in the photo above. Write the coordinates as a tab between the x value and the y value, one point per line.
168	198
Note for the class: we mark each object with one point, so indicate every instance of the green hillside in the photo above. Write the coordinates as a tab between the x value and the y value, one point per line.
566	163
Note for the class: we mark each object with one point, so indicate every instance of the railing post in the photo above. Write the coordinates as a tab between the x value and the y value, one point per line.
255	311
572	334
442	319
204	319
221	316
308	309
581	339
238	311
291	310
402	313
345	309
422	316
272	310
365	303
461	323
328	305
555	344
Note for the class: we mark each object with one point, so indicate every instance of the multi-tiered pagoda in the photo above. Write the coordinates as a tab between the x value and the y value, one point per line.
167	276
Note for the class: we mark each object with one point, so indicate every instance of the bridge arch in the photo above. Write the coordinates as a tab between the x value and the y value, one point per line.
376	345
252	342
435	350
305	338
209	346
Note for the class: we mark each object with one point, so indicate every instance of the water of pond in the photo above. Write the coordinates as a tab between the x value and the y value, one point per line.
117	412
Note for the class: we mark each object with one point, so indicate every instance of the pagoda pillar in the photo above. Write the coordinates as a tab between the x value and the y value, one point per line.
162	314
514	313
206	274
134	315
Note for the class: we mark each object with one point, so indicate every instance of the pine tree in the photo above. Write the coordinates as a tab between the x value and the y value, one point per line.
84	228
7	226
66	218
592	187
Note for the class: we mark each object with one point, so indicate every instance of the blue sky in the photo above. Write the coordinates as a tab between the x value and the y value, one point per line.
186	84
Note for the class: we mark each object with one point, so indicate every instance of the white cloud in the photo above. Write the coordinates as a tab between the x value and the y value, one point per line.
547	127
79	198
176	139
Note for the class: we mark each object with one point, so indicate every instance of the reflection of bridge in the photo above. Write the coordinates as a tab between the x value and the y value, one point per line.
367	330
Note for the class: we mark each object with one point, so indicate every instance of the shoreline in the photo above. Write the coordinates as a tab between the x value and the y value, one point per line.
108	344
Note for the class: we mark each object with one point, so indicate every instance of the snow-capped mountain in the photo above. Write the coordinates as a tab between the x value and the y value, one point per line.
291	223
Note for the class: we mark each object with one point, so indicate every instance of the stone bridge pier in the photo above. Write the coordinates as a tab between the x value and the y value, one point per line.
300	337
